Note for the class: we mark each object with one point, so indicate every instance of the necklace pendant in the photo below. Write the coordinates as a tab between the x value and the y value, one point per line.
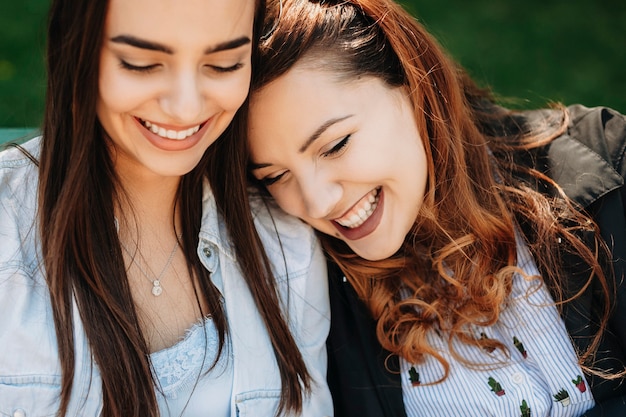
156	288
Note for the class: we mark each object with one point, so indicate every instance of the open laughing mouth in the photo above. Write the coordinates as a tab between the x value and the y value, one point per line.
361	211
363	218
170	133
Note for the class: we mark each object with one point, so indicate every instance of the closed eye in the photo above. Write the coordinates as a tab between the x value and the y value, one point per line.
338	147
267	181
137	68
231	68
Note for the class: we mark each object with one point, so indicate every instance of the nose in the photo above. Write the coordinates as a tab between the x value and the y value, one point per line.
184	99
320	196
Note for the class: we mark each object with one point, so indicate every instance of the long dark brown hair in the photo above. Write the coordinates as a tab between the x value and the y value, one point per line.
459	259
81	250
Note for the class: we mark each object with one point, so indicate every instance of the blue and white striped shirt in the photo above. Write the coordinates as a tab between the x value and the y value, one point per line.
541	363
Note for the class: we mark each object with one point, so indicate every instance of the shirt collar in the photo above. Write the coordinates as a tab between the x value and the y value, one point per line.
213	230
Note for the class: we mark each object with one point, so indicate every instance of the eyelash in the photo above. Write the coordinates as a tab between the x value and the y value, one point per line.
267	181
338	147
148	68
232	68
333	151
136	68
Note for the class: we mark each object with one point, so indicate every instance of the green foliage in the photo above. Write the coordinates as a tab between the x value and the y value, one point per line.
535	52
22	44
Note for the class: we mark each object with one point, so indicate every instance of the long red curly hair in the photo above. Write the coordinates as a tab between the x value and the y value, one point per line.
458	261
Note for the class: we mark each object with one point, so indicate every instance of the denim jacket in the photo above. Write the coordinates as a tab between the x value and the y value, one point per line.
29	365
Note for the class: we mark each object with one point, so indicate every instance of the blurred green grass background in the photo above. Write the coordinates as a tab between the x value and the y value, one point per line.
534	51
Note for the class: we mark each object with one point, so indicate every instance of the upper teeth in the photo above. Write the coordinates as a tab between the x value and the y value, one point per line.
170	133
360	212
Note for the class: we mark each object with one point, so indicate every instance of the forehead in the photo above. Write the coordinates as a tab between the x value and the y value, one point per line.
306	103
183	22
302	93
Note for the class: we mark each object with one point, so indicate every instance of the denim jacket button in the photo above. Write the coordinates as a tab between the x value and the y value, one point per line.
207	251
19	413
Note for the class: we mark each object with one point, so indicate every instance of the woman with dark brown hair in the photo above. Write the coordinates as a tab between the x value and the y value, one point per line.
477	252
137	278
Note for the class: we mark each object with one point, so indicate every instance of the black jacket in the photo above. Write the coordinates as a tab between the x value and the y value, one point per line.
588	163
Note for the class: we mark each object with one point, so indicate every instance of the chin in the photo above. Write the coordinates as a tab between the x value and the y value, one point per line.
376	254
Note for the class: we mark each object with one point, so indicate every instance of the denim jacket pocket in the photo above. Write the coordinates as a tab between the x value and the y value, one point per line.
29	396
260	403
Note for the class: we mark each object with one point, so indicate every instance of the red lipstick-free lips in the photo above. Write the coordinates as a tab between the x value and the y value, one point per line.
368	226
174	144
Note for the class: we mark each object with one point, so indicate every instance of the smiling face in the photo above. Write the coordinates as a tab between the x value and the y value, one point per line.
172	75
344	157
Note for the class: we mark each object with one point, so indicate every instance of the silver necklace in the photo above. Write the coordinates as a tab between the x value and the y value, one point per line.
156	283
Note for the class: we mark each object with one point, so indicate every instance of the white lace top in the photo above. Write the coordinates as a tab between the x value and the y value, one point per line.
181	371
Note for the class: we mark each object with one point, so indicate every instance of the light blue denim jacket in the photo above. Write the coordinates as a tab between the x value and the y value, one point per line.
29	366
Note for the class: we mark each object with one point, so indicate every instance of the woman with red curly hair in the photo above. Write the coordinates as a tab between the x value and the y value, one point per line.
478	252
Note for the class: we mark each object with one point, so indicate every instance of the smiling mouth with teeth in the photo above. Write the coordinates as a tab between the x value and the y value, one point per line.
170	133
361	211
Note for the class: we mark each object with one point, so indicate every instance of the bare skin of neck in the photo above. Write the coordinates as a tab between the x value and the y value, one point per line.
148	227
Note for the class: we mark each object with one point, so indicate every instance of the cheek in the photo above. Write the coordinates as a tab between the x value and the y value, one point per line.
119	92
289	200
230	92
108	86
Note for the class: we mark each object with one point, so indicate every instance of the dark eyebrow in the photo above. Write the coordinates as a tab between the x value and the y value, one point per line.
142	43
232	44
319	132
252	166
154	46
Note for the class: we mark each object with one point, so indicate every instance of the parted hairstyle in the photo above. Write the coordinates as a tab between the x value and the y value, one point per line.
83	262
458	261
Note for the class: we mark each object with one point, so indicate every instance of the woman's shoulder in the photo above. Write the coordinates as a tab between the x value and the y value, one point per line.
18	166
19	176
601	129
268	216
587	158
15	155
587	161
287	239
18	205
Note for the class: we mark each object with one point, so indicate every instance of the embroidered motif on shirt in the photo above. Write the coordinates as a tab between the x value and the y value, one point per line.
580	383
496	387
524	409
520	346
562	397
414	376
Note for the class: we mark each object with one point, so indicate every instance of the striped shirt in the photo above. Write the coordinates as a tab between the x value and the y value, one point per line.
539	377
